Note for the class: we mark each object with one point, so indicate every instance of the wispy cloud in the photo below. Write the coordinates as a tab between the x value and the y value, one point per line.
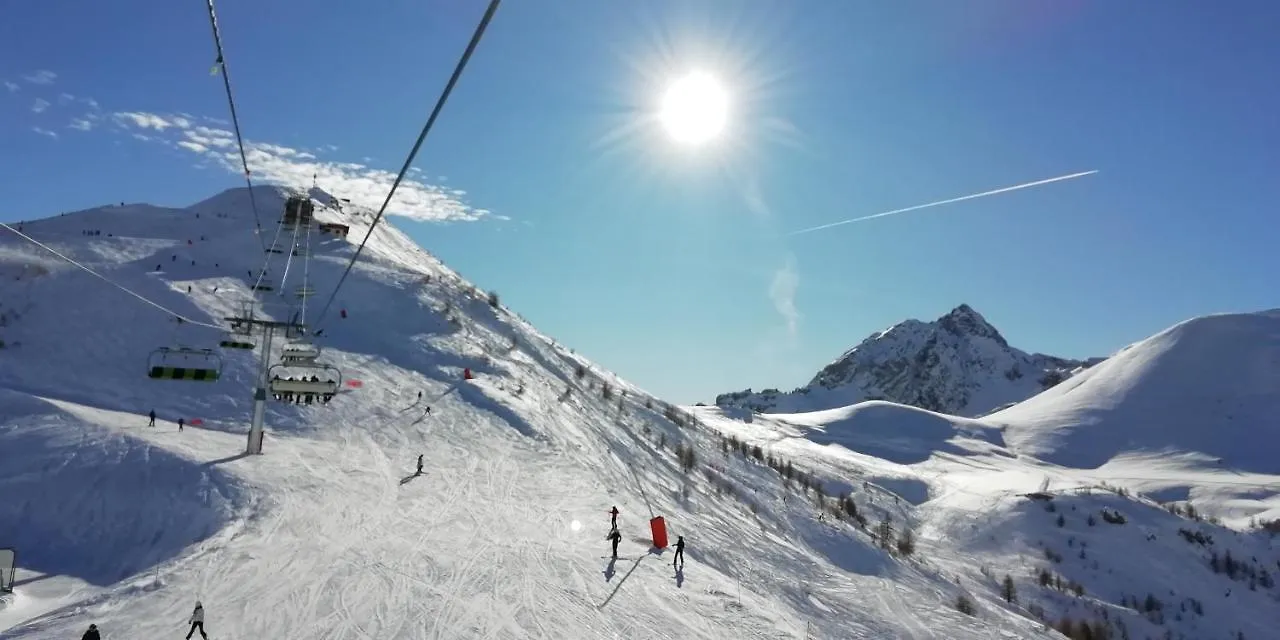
273	163
754	199
782	291
39	105
145	120
11	86
45	132
43	76
65	98
81	124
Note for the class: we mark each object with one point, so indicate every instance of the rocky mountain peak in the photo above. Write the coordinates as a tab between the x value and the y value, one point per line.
958	364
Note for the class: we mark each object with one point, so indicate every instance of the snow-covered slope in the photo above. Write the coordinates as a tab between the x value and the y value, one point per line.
1210	386
330	533
958	364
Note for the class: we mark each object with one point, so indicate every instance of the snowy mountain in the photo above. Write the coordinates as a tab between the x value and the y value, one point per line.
873	520
958	364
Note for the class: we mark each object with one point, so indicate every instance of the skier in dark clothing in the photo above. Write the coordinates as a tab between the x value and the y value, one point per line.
91	634
679	557
197	621
615	538
181	421
613	517
419	464
152	415
419	396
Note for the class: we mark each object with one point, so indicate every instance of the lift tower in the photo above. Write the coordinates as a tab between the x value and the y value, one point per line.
245	324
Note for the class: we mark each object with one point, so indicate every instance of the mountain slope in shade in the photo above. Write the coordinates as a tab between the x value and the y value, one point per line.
958	364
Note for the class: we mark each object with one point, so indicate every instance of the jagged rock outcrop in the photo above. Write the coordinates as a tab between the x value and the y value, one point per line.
958	364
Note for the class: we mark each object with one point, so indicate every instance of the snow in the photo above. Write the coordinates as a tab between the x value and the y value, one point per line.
958	364
331	534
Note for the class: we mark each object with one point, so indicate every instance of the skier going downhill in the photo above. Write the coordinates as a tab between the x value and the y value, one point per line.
181	422
152	415
419	464
613	517
615	538
197	621
679	557
91	634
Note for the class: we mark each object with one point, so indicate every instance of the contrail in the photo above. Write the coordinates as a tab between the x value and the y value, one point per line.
948	201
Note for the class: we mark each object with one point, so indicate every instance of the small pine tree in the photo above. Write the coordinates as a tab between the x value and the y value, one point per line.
906	542
580	372
493	299
1062	522
1008	591
965	605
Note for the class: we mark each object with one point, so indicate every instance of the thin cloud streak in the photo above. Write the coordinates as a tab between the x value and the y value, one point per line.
971	196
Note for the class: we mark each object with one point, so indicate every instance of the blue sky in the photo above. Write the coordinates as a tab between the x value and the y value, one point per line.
670	264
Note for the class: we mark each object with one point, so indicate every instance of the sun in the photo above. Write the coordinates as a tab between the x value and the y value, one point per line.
694	109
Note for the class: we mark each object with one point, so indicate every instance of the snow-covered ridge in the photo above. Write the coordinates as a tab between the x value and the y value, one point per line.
958	364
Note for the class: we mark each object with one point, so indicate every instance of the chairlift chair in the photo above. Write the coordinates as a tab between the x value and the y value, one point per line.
299	353
231	343
274	250
263	286
304	383
305	292
184	363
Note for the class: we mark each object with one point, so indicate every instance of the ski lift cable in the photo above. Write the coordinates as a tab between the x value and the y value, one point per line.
444	97
110	281
235	121
266	261
288	260
306	274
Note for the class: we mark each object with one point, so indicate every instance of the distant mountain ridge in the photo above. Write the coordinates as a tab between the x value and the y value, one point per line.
958	364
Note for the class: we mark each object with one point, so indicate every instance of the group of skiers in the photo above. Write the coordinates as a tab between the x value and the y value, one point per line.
615	537
182	422
196	621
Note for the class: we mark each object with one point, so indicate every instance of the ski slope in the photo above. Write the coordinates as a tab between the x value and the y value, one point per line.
329	533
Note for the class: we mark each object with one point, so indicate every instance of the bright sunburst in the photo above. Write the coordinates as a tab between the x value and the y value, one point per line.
694	109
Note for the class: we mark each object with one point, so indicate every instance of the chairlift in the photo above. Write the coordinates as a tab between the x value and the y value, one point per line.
184	363
274	250
263	286
305	292
304	383
230	343
301	252
299	353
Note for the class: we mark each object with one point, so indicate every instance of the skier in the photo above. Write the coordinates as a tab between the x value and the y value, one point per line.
419	396
679	557
419	464
613	520
91	634
152	415
614	537
197	621
181	421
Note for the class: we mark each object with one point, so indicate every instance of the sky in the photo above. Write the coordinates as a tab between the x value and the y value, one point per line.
548	179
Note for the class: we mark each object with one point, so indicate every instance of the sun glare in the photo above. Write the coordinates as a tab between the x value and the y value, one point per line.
695	109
